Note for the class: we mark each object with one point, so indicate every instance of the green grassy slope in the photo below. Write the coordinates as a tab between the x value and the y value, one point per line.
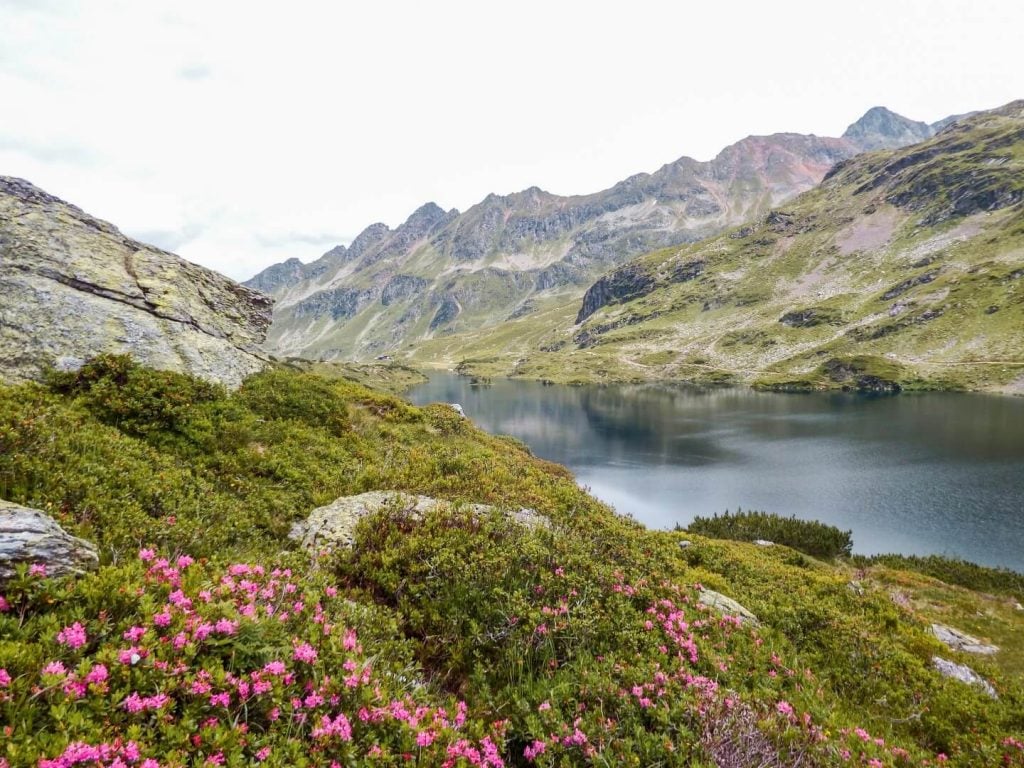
903	267
454	639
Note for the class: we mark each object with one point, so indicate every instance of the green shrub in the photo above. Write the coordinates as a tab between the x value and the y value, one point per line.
808	536
136	400
295	397
953	571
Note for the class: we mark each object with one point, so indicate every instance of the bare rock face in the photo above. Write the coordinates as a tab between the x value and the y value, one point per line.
332	526
72	287
33	537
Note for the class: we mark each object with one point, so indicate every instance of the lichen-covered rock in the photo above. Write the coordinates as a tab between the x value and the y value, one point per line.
73	287
961	641
728	607
33	537
963	673
332	526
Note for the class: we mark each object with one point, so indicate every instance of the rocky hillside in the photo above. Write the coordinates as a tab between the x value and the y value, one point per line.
903	268
443	272
72	286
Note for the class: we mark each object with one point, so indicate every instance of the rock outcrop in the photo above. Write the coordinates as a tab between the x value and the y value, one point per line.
31	537
630	282
964	674
726	606
333	526
72	287
956	640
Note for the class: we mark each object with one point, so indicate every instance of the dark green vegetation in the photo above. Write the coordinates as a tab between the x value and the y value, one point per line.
903	269
583	642
952	571
808	536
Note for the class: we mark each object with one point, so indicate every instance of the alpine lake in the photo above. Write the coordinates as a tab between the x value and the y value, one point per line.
915	473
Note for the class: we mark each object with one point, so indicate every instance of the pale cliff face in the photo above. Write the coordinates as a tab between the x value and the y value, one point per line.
72	286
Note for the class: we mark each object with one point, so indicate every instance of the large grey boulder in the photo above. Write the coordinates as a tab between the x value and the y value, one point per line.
73	287
726	606
33	537
961	641
332	526
964	674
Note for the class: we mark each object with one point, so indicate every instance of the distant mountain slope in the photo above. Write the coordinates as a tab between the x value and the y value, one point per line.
72	287
904	266
509	256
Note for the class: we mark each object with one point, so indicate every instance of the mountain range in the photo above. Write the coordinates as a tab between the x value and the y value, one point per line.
903	268
507	257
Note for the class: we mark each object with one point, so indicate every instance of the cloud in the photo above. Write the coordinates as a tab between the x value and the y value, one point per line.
195	72
50	151
169	239
299	238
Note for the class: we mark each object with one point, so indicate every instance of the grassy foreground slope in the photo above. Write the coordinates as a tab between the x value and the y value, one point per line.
902	268
455	639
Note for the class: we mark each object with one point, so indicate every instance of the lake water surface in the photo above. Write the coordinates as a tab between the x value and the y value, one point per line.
917	474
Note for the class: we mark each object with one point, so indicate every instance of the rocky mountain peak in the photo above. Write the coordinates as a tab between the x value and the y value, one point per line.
424	218
881	128
368	238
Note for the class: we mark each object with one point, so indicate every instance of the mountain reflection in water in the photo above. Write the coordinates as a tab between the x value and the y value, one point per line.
930	473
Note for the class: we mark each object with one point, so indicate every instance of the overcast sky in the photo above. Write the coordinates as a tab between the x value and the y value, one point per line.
242	133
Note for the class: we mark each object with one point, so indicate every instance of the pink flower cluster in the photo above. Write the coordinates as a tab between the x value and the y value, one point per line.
320	696
73	637
115	754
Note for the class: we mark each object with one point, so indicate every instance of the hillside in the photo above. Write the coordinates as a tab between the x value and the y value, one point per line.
72	286
456	636
902	269
444	272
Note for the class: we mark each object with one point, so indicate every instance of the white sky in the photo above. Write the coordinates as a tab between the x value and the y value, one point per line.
242	133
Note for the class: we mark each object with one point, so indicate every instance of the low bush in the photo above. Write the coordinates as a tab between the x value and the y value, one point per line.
952	571
807	536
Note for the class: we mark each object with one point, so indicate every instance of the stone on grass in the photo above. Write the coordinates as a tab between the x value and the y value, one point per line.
333	526
961	641
726	606
32	537
964	674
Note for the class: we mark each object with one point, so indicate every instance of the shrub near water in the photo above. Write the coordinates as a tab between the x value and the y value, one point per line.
807	536
952	571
